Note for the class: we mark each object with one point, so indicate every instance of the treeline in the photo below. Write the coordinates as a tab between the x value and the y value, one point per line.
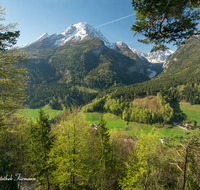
180	88
131	112
70	155
167	92
58	95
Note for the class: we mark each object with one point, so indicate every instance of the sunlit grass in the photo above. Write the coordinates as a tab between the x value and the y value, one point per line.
131	128
192	111
33	113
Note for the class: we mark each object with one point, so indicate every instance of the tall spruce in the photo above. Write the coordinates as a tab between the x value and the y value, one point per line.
40	143
104	156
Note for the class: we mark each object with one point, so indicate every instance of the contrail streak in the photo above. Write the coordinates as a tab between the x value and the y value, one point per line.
115	20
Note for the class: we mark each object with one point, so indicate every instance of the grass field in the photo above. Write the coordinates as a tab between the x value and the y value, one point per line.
112	121
33	113
192	111
132	128
135	129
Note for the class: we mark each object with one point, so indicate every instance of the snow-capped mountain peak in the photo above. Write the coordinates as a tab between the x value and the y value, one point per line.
154	57
81	30
73	33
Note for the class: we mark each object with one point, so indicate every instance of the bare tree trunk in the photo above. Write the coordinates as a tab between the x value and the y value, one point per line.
184	170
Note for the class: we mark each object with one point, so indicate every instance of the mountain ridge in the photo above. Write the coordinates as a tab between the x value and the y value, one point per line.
82	30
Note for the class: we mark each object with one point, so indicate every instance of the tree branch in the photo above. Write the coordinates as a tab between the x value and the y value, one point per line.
161	24
177	166
180	155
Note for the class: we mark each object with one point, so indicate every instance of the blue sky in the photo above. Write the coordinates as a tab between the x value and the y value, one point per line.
36	17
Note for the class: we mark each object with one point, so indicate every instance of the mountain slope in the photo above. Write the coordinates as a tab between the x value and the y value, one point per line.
185	61
79	61
181	68
88	61
179	81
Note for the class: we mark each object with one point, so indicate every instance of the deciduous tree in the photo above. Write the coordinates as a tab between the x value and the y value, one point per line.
70	155
140	169
186	158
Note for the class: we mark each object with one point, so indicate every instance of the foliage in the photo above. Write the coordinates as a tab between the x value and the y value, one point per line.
186	158
129	112
79	157
163	22
40	143
104	155
13	144
7	36
13	80
140	169
69	156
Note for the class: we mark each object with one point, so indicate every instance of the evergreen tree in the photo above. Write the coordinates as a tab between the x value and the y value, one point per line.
13	82
7	36
13	143
40	143
164	21
104	156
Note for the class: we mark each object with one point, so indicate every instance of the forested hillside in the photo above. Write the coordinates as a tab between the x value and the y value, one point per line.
185	61
179	81
88	63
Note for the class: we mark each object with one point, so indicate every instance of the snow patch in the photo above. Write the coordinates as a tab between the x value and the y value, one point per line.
152	74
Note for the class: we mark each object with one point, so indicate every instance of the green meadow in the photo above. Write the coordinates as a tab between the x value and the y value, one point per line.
113	121
192	111
135	129
33	113
131	128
